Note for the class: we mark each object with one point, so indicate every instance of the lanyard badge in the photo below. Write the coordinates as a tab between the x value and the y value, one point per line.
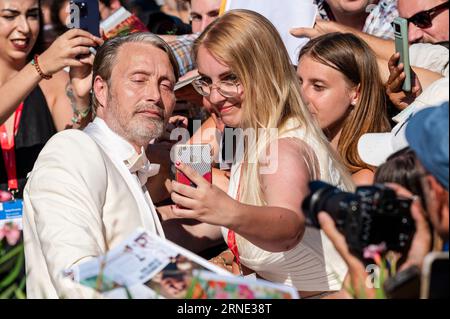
9	152
11	211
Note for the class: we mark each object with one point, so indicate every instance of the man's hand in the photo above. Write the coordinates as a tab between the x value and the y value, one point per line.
421	243
398	97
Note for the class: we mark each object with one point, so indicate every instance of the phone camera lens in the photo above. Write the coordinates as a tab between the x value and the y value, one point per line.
83	9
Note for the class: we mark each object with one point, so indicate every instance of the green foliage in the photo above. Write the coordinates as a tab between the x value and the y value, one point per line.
12	266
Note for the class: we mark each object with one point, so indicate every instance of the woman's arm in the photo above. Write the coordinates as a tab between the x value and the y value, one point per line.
58	103
277	227
16	89
63	52
280	225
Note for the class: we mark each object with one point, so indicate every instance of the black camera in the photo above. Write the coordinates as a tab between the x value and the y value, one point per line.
371	216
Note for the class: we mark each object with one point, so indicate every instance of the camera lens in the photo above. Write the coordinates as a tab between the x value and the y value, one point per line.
330	199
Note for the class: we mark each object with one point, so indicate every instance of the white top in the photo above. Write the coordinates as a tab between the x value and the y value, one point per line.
429	56
124	154
434	95
314	264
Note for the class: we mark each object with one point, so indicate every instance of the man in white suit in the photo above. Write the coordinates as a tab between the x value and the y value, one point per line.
87	190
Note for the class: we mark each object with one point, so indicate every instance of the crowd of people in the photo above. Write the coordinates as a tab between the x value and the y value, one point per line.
85	137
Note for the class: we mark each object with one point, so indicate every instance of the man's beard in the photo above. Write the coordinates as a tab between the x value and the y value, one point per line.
136	128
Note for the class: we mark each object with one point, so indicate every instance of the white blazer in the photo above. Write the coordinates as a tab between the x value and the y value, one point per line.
80	201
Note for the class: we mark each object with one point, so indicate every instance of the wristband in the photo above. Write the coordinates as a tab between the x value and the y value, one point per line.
35	63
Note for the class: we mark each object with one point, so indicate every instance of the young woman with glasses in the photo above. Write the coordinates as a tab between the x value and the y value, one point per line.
247	79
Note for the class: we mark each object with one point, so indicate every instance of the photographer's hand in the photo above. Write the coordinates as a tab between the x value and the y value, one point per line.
421	243
355	281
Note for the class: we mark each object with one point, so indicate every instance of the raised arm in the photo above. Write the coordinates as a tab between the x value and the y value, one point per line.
384	49
63	52
276	227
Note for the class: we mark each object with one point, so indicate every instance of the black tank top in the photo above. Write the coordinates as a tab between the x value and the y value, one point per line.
36	127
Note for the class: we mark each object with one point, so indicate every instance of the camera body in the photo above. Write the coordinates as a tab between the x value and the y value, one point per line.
371	216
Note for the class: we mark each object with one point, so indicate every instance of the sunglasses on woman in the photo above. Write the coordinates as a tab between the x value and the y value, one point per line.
424	19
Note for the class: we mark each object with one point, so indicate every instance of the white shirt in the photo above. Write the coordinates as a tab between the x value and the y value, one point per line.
138	164
429	56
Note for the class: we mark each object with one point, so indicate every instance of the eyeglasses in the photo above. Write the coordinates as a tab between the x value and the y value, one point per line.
424	19
227	89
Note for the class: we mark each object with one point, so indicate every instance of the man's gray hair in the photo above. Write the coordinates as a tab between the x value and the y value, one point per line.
107	54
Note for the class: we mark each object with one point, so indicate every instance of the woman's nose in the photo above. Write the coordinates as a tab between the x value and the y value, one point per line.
215	97
22	24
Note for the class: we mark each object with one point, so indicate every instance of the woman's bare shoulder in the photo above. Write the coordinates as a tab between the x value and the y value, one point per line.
363	177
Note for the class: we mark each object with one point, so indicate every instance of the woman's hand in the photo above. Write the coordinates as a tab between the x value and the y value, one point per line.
5	196
226	261
398	97
320	28
355	281
70	49
81	79
206	203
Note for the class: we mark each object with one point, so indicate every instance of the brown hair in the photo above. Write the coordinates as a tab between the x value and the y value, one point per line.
106	56
352	57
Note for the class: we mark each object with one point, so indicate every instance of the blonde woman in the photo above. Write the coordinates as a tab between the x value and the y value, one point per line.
341	84
247	78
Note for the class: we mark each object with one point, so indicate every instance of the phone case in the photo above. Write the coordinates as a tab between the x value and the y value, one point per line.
402	46
89	15
197	156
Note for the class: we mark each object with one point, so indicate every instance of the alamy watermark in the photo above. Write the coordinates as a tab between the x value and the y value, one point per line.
254	146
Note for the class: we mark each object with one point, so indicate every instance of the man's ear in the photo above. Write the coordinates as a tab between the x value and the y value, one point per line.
100	91
440	195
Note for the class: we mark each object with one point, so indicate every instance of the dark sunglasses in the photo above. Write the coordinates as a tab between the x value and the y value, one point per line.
424	19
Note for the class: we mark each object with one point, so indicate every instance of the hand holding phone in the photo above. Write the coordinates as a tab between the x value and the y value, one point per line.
197	156
402	47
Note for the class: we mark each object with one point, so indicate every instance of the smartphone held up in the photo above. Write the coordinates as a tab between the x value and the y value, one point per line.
85	15
402	46
198	157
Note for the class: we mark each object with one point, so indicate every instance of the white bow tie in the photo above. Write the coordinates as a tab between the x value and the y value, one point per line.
140	165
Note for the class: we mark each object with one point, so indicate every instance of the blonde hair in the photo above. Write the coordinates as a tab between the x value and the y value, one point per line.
252	48
352	57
